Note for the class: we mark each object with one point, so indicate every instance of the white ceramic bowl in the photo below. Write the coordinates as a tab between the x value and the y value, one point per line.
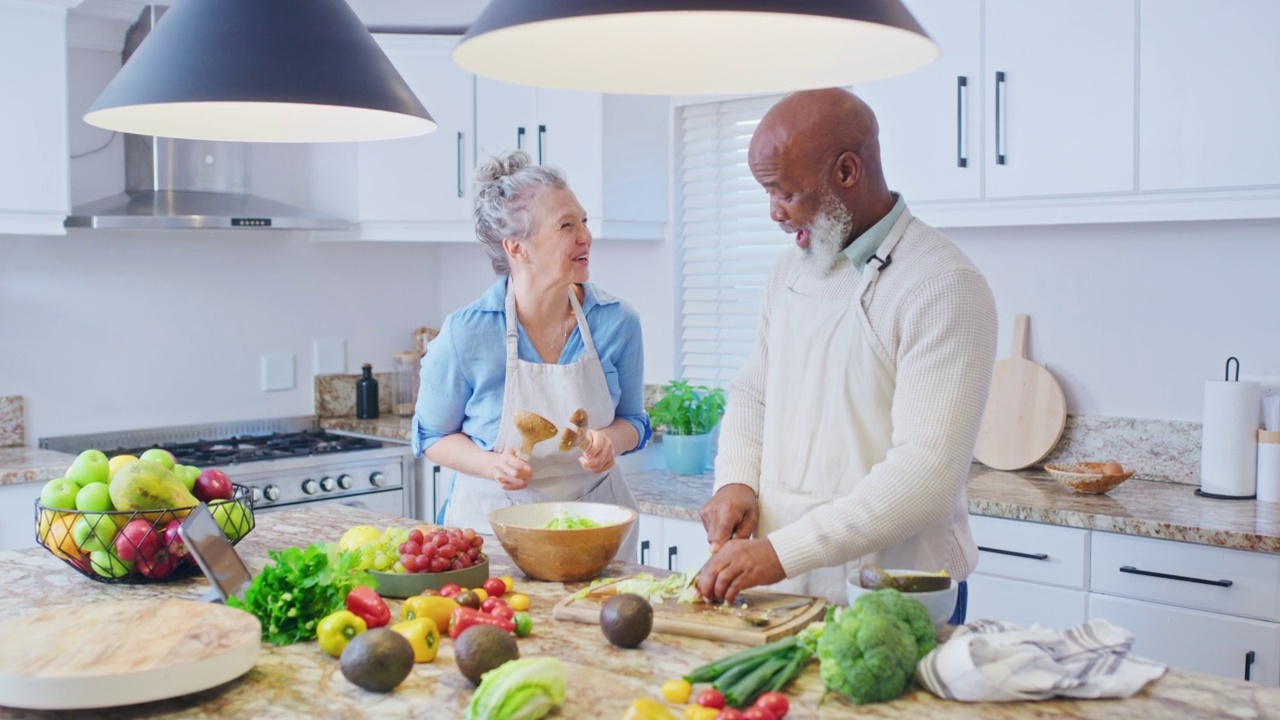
941	604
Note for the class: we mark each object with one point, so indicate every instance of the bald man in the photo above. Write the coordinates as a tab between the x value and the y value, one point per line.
851	427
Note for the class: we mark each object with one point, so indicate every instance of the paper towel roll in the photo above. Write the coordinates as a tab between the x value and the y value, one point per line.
1269	465
1229	444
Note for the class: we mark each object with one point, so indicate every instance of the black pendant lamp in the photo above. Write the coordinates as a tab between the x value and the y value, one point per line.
260	71
694	46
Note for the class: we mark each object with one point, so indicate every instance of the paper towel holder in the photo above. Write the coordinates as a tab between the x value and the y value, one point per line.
1226	374
1226	377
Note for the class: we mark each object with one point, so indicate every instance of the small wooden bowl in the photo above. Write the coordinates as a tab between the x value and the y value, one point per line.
1087	477
561	555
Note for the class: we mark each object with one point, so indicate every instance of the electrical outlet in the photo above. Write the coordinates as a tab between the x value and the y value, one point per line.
330	357
277	372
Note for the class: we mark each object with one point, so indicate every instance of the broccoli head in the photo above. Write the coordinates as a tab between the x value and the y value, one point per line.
868	655
910	611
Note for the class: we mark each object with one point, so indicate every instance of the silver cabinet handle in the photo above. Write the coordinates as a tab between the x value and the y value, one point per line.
460	193
542	134
519	138
1001	123
962	104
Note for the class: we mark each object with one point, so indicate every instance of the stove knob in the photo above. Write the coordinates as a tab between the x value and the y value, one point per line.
326	484
378	479
257	494
344	481
309	486
271	493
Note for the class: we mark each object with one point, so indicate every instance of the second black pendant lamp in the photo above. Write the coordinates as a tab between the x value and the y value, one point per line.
694	46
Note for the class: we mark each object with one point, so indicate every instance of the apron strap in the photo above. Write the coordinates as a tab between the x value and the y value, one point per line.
581	317
513	335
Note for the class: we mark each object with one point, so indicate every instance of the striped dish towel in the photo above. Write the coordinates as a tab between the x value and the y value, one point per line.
990	661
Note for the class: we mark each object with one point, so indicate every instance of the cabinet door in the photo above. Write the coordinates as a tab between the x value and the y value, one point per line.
1062	76
1195	640
570	135
685	543
1024	603
425	178
1207	107
506	118
17	515
930	122
650	551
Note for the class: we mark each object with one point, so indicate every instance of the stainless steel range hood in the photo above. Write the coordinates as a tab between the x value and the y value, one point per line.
188	184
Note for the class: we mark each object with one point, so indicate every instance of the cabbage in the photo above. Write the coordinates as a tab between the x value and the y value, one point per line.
524	689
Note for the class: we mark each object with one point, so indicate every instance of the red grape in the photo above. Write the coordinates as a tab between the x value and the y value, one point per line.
410	562
415	535
477	542
448	552
439	565
428	551
411	547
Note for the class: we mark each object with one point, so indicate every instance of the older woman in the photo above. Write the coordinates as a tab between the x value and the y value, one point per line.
541	339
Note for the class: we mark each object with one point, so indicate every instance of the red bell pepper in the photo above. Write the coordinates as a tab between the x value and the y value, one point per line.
365	602
465	617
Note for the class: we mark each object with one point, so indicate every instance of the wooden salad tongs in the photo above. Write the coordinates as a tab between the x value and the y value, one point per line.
575	436
533	429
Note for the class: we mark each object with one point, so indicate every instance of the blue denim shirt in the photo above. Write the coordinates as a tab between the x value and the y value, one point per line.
465	368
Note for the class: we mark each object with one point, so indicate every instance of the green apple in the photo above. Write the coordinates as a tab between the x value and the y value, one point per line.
231	517
108	564
94	531
59	494
158	455
187	474
90	466
94	497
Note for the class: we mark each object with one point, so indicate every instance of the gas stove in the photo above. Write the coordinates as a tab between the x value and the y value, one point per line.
283	461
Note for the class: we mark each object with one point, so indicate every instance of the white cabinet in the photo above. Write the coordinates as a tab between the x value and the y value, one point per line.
17	515
420	188
556	127
1207	74
1059	97
672	543
1029	573
1025	603
930	120
34	186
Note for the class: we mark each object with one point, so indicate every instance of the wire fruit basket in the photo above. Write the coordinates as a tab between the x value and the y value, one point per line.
135	547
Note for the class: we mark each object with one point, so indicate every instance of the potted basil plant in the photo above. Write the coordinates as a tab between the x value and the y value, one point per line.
687	414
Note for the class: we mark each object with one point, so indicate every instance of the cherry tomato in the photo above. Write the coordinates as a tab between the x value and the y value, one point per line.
755	712
489	602
774	702
450	590
698	712
518	601
677	691
495	587
469	598
711	698
502	611
729	714
524	624
509	581
480	593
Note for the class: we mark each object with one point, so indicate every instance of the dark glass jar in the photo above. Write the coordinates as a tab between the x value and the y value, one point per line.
367	395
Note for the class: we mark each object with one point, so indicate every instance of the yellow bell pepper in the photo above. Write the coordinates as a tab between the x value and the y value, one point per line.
414	607
423	635
337	629
647	709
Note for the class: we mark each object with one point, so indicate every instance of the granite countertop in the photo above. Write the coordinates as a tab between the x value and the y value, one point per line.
23	465
300	681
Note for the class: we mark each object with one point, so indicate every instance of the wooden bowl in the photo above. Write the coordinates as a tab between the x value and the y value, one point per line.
1087	477
561	555
403	585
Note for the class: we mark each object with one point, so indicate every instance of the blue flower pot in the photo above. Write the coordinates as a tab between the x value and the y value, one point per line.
686	454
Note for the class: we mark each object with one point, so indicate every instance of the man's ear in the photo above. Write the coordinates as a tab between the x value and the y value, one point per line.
848	169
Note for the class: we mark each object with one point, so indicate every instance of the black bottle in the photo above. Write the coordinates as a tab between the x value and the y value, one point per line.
367	395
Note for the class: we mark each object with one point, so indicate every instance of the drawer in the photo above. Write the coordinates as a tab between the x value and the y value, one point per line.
1236	582
1024	603
1029	551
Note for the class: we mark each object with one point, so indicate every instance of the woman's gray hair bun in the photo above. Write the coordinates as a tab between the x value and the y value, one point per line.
505	187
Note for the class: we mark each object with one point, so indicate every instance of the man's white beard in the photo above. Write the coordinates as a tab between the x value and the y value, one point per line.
827	235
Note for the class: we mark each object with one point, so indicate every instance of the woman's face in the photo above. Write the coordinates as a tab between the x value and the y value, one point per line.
559	242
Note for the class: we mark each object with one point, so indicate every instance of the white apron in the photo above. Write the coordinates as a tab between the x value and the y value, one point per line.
829	392
553	391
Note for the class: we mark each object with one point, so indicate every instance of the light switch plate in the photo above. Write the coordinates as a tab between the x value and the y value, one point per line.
277	372
330	356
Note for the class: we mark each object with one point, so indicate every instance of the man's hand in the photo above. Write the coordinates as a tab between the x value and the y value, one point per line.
739	565
509	470
731	513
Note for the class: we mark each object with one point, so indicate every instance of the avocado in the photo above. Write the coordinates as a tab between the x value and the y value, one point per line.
875	578
626	620
377	660
481	648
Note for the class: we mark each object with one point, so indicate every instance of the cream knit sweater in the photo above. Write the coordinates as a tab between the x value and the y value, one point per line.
934	315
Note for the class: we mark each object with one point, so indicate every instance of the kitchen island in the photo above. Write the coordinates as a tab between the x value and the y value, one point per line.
300	681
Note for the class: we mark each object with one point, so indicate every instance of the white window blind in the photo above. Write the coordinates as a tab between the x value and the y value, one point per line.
726	239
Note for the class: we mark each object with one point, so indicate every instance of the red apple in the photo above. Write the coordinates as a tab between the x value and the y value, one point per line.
173	541
159	566
137	540
213	484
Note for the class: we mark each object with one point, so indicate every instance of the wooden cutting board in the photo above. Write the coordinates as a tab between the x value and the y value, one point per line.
789	615
1026	410
114	653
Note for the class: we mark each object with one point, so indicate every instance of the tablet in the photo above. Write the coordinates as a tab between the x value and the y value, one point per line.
216	557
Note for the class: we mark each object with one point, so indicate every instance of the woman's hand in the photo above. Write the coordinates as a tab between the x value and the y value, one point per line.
598	454
509	470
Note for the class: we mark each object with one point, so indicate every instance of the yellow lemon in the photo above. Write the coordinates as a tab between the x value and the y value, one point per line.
118	462
357	536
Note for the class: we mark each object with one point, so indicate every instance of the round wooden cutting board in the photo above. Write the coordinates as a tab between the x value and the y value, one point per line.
1026	410
122	652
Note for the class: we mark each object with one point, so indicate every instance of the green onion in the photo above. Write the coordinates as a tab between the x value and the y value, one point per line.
713	669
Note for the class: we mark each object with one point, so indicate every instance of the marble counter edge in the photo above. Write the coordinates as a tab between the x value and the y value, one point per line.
19	465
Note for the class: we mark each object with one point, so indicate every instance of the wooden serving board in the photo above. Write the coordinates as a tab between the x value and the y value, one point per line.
707	621
114	653
1026	410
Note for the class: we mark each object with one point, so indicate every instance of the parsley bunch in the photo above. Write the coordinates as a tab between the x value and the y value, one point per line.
290	597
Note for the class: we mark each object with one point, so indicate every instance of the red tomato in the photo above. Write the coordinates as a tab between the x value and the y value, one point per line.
711	698
495	587
755	712
501	610
774	702
450	590
730	714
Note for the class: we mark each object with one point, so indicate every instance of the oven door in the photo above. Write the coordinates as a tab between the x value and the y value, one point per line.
389	502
